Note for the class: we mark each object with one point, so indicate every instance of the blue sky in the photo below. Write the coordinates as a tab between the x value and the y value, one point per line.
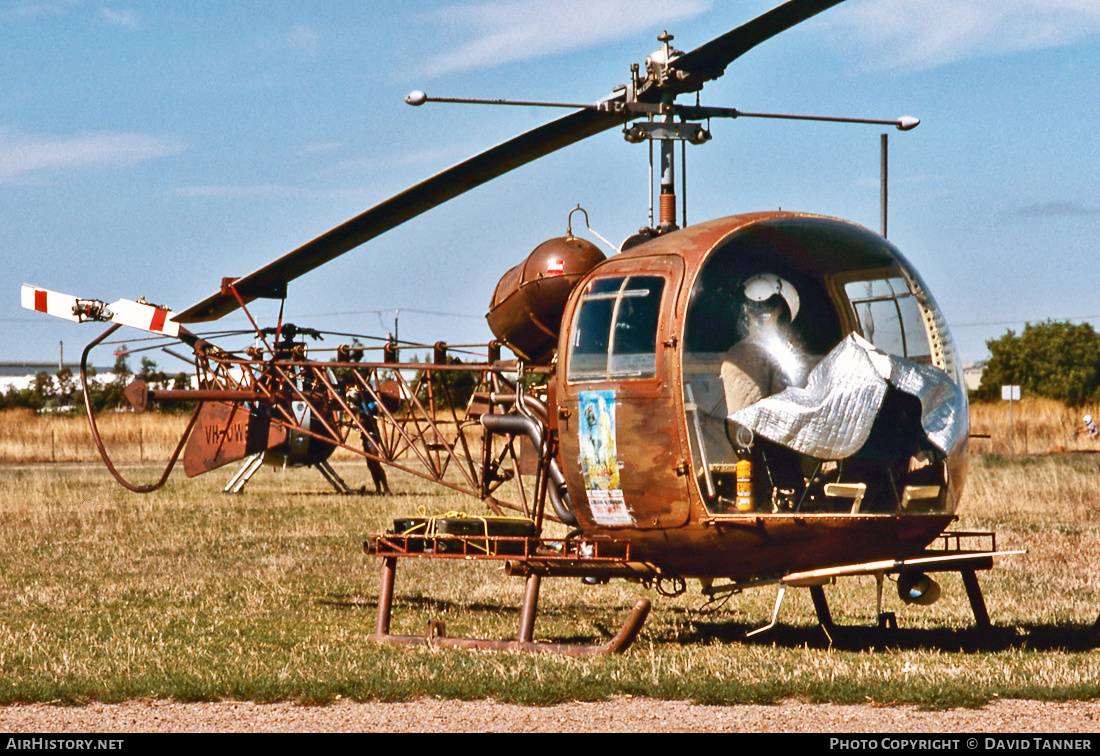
149	149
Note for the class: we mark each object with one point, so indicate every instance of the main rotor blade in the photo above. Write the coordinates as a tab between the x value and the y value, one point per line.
406	205
710	60
702	64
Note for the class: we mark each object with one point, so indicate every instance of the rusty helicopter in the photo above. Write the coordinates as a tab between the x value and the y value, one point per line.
765	399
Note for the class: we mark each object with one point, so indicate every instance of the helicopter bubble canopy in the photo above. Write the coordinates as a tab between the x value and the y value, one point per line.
818	336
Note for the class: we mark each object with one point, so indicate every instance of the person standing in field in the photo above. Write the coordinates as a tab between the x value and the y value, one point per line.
366	411
1088	428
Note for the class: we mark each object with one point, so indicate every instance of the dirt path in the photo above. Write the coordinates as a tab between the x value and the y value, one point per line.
617	715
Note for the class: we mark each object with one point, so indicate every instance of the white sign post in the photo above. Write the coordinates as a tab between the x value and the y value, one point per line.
1010	394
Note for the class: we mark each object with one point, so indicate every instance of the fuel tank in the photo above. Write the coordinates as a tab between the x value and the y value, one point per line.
527	305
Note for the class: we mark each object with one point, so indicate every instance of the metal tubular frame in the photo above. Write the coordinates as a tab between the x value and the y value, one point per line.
428	436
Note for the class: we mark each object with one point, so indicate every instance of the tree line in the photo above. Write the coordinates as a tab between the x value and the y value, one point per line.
1052	359
60	391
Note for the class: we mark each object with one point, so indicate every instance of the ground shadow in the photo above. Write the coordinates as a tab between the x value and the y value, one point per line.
685	627
1061	637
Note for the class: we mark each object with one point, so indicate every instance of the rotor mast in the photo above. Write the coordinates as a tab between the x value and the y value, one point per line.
665	81
668	154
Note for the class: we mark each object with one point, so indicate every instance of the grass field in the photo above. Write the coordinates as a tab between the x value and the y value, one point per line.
190	594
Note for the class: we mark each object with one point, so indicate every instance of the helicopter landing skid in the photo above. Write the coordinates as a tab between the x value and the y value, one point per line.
255	462
530	557
950	557
886	620
436	636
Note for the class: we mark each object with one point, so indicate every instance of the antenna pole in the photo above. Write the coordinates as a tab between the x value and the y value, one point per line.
683	183
668	154
883	191
651	184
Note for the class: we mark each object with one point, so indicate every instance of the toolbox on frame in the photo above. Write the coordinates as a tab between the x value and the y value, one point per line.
455	532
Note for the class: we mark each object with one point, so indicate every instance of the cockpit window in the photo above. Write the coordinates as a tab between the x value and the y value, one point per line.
615	330
888	315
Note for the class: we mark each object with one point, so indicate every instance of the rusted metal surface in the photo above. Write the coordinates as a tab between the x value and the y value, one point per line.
500	548
435	638
526	308
641	443
616	447
227	433
974	595
651	492
649	442
663	506
753	546
414	425
644	572
600	558
527	613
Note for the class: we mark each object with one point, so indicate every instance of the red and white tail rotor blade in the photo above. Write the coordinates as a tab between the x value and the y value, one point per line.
141	315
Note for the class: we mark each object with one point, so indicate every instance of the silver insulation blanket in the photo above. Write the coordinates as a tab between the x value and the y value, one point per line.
831	417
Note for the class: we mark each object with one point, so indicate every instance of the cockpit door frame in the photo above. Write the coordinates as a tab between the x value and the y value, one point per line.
640	418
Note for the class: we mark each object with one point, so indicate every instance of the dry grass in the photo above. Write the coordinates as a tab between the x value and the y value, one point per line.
187	593
1048	505
128	436
193	595
1038	426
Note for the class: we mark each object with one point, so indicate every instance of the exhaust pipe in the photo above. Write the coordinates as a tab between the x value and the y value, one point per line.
515	425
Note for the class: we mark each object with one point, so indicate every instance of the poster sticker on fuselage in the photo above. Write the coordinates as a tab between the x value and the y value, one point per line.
599	458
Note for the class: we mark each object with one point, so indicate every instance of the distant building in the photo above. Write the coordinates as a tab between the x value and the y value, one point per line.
972	374
20	375
9	369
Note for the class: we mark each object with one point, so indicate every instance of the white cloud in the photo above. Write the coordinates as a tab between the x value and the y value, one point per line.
923	34
30	157
125	19
303	39
506	31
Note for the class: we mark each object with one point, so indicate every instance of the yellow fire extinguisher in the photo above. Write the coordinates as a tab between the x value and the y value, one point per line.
743	438
744	483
